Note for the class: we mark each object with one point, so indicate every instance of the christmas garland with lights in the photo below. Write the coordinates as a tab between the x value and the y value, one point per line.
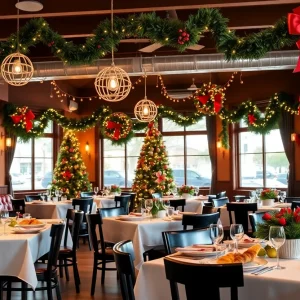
168	32
257	121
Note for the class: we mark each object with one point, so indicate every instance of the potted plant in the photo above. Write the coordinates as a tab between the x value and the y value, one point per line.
268	196
186	191
290	220
158	209
115	190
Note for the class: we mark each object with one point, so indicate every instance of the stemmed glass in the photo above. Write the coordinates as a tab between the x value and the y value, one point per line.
56	193
148	205
216	234
167	204
277	238
43	197
236	233
4	217
96	190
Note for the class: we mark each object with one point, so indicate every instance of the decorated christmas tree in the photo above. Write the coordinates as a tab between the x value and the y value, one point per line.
70	174
153	174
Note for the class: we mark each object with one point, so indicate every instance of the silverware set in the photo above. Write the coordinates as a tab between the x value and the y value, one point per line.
263	270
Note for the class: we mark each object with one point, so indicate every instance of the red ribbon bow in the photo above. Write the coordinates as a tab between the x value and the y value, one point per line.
160	177
251	119
218	102
294	28
67	174
26	117
203	99
116	127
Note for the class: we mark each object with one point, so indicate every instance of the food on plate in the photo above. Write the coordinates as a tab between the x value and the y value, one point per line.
271	251
13	222
245	257
32	221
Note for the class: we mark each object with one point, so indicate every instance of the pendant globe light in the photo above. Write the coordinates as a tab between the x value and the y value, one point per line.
145	110
112	83
30	5
17	68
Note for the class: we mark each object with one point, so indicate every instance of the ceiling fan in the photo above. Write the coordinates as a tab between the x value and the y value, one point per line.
183	93
171	14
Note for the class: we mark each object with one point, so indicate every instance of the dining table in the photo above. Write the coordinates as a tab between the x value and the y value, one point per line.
51	209
19	251
151	282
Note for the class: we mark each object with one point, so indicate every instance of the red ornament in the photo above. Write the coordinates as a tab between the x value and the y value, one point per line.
51	44
71	150
251	119
67	175
294	29
26	116
99	46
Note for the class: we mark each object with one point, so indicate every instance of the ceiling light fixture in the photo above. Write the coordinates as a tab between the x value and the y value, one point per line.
30	6
17	68
145	110
193	86
112	83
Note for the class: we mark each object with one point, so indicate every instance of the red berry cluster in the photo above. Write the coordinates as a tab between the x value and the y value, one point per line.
183	36
51	44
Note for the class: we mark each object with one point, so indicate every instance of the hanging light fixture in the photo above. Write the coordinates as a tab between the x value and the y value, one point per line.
193	86
145	110
30	6
112	83
17	68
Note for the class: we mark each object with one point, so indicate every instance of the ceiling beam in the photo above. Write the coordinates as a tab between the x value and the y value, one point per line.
211	4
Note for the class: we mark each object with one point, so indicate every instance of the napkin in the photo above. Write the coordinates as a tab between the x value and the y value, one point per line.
197	248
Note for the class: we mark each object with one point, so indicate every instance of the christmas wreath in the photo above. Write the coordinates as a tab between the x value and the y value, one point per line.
23	117
209	99
117	127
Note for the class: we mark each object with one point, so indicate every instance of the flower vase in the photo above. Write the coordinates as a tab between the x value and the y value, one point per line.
290	249
161	214
267	202
186	196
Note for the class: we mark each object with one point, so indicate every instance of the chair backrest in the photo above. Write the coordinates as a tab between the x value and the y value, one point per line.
5	202
29	198
132	199
56	234
212	277
211	197
123	201
221	194
124	258
94	221
255	219
73	222
291	199
156	195
239	198
18	205
178	202
183	238
295	204
241	213
111	211
209	210
200	221
83	204
87	194
220	201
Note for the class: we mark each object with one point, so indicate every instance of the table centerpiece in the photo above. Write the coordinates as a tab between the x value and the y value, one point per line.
158	209
186	191
115	190
268	196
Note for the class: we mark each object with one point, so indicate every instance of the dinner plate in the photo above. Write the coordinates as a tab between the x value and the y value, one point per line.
32	226
243	244
26	231
199	253
130	218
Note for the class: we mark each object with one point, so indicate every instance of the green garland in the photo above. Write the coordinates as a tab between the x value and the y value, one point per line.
164	31
261	123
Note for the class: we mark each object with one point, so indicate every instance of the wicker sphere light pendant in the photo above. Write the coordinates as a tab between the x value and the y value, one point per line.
17	69
112	84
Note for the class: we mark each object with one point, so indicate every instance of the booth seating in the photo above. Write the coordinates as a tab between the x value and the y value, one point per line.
5	202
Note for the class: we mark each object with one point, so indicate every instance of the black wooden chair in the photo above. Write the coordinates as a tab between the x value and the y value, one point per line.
85	205
156	195
291	199
255	219
102	254
87	194
132	199
124	258
295	204
200	221
68	256
183	238
30	198
124	202
178	202
18	205
209	276
209	210
221	195
241	211
239	198
218	202
44	272
111	211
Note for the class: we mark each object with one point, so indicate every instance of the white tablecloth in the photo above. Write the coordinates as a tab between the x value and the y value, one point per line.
18	252
276	285
51	210
105	202
144	234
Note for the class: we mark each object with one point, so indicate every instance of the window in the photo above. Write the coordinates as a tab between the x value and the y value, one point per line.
262	160
187	149
33	163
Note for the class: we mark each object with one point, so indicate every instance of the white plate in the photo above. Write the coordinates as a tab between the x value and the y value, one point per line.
38	202
26	231
200	253
32	226
131	218
248	244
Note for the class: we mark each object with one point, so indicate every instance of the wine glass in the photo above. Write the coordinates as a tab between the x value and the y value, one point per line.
4	217
216	234
96	190
59	195
43	197
236	233
167	204
148	205
277	238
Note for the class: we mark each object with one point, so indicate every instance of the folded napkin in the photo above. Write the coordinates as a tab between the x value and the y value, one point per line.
136	214
247	239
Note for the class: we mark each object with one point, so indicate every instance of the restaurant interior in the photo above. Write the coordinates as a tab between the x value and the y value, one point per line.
142	100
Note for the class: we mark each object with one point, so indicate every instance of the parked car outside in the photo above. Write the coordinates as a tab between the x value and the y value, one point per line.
283	178
193	178
46	180
17	178
269	174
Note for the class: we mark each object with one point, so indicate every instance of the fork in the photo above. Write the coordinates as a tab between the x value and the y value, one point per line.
263	270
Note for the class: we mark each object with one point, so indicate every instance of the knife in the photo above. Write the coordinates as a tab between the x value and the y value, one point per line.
264	270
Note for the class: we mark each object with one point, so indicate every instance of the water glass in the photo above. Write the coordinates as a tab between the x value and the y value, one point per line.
170	211
166	203
236	233
4	216
96	190
216	234
277	239
26	216
148	205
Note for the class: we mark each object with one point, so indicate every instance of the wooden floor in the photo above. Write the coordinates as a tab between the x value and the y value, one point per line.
109	291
